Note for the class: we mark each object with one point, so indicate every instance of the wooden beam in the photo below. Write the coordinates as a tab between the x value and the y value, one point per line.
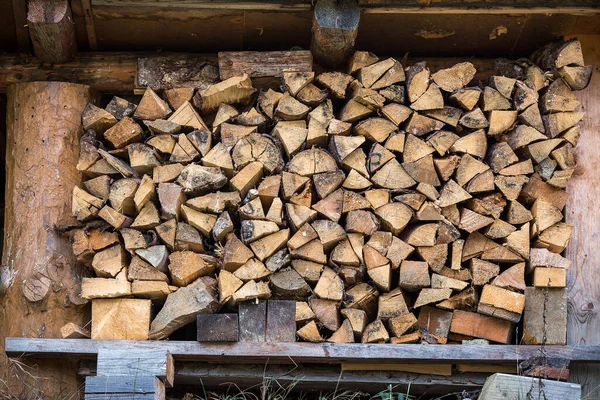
88	16
116	72
256	5
21	30
572	9
582	210
258	64
312	377
52	30
39	113
334	30
481	6
168	72
301	352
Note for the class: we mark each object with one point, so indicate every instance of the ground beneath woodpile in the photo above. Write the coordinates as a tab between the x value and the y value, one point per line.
274	391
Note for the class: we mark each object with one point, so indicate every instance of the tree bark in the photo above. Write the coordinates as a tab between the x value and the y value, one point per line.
40	277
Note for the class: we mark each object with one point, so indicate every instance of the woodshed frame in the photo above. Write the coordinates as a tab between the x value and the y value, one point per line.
115	72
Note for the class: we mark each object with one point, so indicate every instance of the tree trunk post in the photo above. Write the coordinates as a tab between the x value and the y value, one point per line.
40	277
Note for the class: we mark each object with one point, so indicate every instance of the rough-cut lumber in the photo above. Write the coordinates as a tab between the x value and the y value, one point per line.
481	326
545	316
121	387
504	386
281	326
217	327
264	63
252	321
108	316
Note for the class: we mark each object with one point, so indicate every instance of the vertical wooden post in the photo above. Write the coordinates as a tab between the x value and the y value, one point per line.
52	30
583	211
40	277
334	30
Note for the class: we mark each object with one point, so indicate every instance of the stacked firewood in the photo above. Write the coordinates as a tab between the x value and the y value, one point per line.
393	203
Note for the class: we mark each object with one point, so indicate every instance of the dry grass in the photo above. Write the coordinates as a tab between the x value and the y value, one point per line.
23	377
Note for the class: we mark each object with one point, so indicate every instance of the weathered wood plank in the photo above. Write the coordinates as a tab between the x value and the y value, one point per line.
19	8
513	387
301	352
124	361
281	321
123	384
217	327
289	5
167	72
583	211
259	64
122	396
252	321
90	28
506	6
314	377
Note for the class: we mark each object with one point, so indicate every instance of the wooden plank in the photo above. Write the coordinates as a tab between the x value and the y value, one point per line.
489	368
133	384
268	30
263	63
166	72
513	387
301	352
110	318
494	6
127	361
90	28
161	26
324	377
253	321
121	396
281	321
20	16
431	369
583	210
217	327
545	316
288	5
312	377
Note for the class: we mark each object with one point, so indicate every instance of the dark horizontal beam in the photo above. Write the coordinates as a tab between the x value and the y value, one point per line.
116	72
323	377
397	6
310	377
248	352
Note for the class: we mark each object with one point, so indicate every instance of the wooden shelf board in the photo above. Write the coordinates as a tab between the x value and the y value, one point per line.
301	352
